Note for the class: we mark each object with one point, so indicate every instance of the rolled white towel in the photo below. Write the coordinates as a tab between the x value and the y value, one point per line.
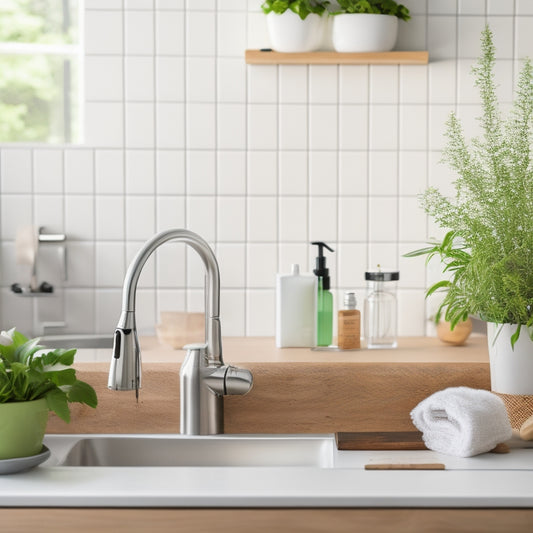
462	421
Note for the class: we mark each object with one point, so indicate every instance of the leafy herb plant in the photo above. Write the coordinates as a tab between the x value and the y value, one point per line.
301	7
376	7
31	372
488	250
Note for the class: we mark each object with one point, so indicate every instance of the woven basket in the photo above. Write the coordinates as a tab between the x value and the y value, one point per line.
519	408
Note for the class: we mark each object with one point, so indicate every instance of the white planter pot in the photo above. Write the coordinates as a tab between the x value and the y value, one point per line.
511	371
289	33
362	32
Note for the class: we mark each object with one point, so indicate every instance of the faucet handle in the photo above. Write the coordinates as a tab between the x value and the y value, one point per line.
238	380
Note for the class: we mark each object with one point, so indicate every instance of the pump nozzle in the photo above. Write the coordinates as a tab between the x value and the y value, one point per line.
321	269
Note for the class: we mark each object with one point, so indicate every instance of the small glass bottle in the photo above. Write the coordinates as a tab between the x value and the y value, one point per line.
380	313
349	324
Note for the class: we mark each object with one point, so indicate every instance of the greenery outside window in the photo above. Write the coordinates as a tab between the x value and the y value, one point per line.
40	71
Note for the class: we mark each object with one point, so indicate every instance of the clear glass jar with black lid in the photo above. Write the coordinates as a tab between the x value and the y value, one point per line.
380	310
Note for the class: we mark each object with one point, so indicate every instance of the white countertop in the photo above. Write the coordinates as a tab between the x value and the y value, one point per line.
489	480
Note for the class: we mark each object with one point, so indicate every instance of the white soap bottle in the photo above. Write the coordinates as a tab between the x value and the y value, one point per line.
296	309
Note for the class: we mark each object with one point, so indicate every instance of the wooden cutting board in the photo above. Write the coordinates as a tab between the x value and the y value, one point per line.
380	440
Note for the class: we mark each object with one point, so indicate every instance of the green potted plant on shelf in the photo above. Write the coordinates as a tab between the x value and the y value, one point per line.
295	25
367	25
487	250
33	381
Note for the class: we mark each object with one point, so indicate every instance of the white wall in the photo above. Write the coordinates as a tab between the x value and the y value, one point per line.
259	160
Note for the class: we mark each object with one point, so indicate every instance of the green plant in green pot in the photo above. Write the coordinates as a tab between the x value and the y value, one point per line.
33	381
488	248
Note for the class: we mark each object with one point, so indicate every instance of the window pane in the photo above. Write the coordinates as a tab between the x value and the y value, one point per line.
38	98
39	21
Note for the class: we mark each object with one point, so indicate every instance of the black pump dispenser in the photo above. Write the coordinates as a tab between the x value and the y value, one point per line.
321	270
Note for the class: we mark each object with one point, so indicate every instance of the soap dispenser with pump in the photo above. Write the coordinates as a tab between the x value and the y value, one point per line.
324	302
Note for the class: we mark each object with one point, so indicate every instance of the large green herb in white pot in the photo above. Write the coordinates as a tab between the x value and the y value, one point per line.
33	381
488	249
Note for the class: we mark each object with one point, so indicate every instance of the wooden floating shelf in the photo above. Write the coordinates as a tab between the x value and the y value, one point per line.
259	57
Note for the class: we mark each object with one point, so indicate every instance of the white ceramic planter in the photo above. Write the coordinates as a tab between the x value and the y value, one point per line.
511	371
362	32
289	33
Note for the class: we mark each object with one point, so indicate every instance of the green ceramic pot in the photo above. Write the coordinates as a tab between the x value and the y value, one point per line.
22	428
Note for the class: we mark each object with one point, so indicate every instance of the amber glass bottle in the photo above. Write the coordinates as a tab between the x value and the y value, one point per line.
349	324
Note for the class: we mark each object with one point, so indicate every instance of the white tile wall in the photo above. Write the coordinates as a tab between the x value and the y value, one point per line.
259	160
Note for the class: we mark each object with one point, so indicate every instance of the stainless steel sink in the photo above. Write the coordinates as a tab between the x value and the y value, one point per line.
204	451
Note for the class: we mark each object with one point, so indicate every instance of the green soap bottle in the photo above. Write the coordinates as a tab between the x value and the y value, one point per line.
324	301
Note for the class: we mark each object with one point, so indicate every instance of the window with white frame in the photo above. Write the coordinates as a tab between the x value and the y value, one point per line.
40	71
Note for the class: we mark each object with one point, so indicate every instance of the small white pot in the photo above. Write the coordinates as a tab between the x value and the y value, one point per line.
289	33
364	32
511	371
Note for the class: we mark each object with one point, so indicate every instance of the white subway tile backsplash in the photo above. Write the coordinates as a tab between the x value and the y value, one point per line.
16	211
323	127
109	171
103	32
231	126
170	131
262	84
139	79
262	173
139	33
201	125
200	78
262	127
353	173
16	170
293	172
261	264
353	216
180	132
140	171
47	171
79	217
140	127
293	216
262	219
169	79
169	33
293	127
353	127
383	173
323	173
231	219
231	80
104	78
201	172
383	127
384	84
323	84
104	124
200	35
231	34
110	218
140	218
293	86
231	172
170	211
170	172
79	171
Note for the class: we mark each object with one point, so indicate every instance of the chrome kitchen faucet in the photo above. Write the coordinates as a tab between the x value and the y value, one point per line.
204	378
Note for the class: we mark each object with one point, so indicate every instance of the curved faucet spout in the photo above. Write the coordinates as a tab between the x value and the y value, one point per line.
212	291
125	371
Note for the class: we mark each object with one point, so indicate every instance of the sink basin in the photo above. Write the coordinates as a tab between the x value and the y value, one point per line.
212	451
